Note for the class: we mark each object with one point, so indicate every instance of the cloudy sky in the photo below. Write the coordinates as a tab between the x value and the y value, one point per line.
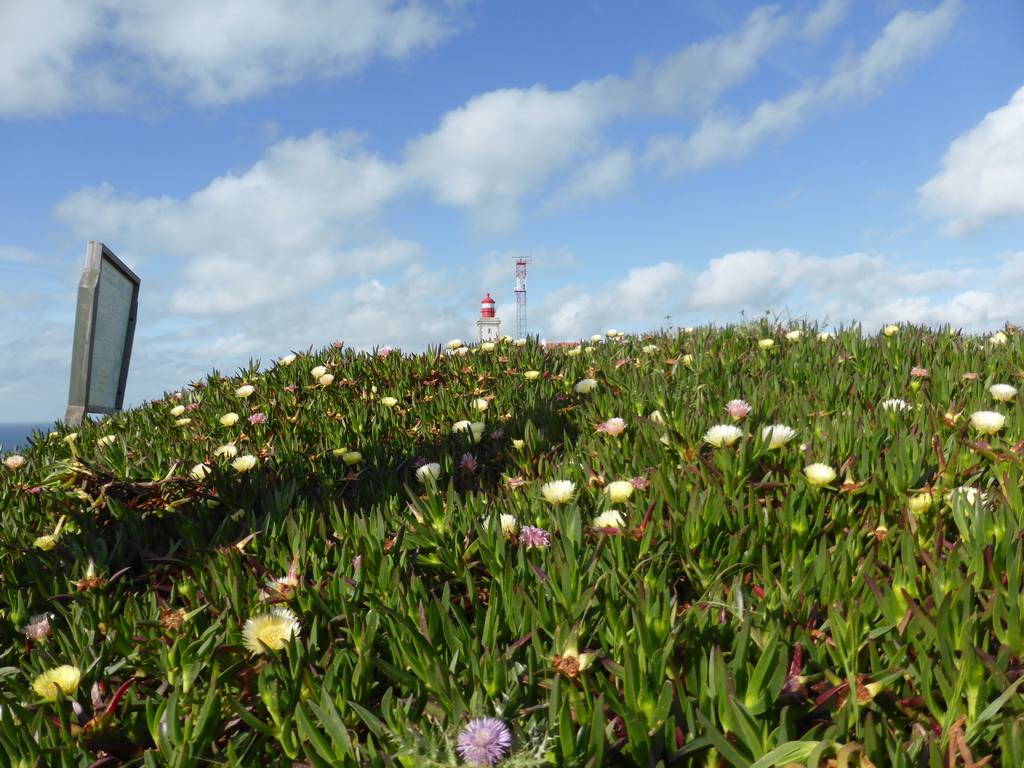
284	176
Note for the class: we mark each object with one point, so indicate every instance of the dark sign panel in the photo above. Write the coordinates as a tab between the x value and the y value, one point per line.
108	300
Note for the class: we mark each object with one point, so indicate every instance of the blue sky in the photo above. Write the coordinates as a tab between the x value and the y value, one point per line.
365	171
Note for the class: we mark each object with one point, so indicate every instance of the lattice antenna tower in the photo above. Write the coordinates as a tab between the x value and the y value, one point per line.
520	290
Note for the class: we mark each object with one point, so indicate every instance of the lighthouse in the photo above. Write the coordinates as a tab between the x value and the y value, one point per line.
488	325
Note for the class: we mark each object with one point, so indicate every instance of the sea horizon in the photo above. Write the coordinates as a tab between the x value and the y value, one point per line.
15	435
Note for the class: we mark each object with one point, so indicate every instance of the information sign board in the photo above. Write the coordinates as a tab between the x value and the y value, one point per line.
108	301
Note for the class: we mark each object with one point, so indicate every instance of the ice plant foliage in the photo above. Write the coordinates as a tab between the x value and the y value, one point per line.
414	596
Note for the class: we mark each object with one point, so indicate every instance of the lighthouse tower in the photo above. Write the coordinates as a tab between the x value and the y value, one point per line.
488	325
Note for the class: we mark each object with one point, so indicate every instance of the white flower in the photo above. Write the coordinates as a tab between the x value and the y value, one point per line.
106	440
199	472
245	390
793	335
454	344
596	338
988	422
619	491
480	404
997	338
612	333
558	491
583	386
177	410
326	380
610	519
1002	392
509	525
968	494
428	472
487	346
461	426
272	630
477	428
894	404
574	351
182	422
777	435
723	435
531	375
825	336
243	463
656	417
650	349
229	419
390	402
228	450
519	343
287	360
819	474
15	462
317	372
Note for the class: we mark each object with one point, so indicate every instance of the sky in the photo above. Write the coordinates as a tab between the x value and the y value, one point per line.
283	176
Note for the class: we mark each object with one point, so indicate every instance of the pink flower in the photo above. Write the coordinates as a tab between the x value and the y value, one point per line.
918	372
484	741
534	537
738	408
615	426
191	406
515	482
468	462
640	482
384	351
257	418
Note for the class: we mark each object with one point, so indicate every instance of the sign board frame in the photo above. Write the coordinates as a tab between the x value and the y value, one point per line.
108	304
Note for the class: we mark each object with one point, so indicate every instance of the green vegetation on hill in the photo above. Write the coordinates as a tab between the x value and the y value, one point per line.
687	549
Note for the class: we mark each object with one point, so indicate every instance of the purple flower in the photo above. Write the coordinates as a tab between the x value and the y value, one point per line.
257	418
484	741
534	537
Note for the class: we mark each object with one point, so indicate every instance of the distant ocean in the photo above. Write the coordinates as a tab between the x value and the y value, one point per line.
14	437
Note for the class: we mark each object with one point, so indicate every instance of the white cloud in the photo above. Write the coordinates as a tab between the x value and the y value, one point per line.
720	138
503	145
823	19
982	176
597	179
302	216
61	54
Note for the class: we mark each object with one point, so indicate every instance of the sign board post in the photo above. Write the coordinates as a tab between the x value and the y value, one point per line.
108	302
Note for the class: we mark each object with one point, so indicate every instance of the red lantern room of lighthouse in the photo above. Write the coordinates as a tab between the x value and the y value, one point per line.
488	325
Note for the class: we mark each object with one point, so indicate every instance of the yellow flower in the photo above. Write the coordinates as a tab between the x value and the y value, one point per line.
326	380
819	474
228	450
228	419
182	422
245	390
920	503
531	375
686	360
243	463
487	346
106	440
519	343
574	351
317	372
656	417
52	683
272	629
518	444
596	338
997	338
390	402
46	543
70	437
177	410
891	330
352	457
612	333
766	343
